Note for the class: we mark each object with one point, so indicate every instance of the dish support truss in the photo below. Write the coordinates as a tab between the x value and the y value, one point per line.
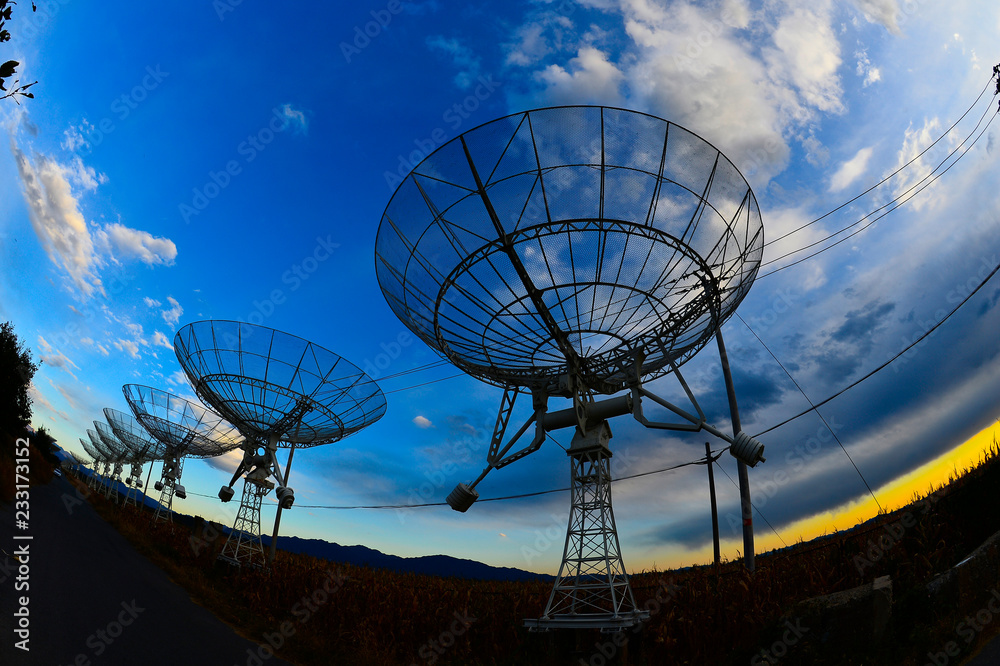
592	589
113	481
246	528
244	547
169	485
134	483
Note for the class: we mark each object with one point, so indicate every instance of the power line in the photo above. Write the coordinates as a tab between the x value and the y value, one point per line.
700	461
894	173
759	512
899	200
832	432
886	364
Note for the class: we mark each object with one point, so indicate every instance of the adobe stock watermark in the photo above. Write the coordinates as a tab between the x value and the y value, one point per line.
455	116
796	459
302	611
364	34
29	24
606	651
391	350
699	42
970	627
780	648
294	276
443	474
248	150
223	7
955	296
87	136
105	636
876	547
431	651
782	303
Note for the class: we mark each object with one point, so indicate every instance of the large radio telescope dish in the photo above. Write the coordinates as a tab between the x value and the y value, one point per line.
184	427
269	383
92	451
132	434
563	240
116	450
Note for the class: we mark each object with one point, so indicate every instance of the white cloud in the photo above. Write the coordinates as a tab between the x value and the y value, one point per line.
882	12
75	136
914	142
865	68
103	350
296	118
173	315
816	153
58	222
141	245
69	242
38	399
462	57
55	359
159	339
129	346
807	56
851	170
535	40
177	378
591	78
422	422
151	302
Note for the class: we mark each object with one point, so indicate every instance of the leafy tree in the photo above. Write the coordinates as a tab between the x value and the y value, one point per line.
46	444
16	371
7	68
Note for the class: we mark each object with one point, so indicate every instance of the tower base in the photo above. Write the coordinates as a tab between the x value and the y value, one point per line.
592	589
244	547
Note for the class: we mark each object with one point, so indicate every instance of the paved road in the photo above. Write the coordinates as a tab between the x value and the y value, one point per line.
93	600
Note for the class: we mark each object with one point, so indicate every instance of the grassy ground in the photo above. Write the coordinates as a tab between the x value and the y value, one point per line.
318	612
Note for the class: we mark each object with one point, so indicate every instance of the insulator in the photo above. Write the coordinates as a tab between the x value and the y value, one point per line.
747	449
286	497
462	497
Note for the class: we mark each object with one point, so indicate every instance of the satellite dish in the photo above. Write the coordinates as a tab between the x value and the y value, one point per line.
117	454
280	391
97	460
574	252
185	429
143	447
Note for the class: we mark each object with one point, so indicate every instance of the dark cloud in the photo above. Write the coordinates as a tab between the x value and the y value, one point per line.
989	303
842	352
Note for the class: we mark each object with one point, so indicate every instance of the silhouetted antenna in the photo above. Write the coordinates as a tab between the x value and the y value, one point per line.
575	252
143	447
185	429
280	391
118	453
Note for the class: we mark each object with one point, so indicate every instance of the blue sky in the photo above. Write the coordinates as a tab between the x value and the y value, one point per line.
228	161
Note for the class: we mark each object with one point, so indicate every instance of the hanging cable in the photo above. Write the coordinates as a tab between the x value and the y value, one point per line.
700	461
822	418
759	513
899	200
898	170
886	364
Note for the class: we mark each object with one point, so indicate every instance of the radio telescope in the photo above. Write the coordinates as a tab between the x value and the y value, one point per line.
98	459
280	391
143	447
575	252
117	454
185	429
